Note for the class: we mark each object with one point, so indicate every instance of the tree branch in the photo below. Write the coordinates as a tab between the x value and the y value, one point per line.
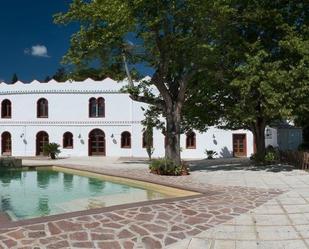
183	84
148	100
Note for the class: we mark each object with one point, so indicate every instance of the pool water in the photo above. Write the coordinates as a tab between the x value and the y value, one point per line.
27	194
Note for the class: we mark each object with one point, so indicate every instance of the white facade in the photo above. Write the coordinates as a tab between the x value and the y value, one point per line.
68	111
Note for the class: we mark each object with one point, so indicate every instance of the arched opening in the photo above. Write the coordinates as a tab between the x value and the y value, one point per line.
126	140
6	109
6	144
101	107
67	140
92	108
97	108
42	138
191	140
96	143
42	108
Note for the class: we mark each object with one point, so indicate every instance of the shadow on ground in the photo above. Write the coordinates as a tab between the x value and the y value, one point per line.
236	164
130	160
223	164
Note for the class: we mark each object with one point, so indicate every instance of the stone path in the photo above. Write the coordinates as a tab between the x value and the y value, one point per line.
245	210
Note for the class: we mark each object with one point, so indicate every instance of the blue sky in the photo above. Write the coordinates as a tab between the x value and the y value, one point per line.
27	28
31	45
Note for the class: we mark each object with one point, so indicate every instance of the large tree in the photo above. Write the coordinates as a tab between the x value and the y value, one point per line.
265	65
176	38
273	41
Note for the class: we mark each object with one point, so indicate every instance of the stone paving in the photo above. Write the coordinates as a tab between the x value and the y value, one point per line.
245	209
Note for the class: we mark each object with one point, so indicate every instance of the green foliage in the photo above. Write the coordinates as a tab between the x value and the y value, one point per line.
60	75
175	38
166	166
268	81
14	78
246	61
148	136
52	149
267	65
210	154
304	146
270	157
47	78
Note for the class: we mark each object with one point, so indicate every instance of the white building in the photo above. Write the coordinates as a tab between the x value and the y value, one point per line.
94	118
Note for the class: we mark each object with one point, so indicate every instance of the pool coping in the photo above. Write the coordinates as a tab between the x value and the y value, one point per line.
200	193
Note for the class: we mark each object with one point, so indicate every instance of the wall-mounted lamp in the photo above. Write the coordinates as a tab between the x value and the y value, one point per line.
22	135
112	136
79	136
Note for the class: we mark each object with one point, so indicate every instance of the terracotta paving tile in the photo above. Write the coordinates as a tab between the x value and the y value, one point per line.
109	244
58	245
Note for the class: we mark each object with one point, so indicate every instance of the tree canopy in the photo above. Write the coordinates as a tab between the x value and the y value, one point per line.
14	78
176	38
265	66
243	61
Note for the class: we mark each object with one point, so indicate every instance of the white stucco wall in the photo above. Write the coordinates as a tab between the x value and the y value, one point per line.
68	111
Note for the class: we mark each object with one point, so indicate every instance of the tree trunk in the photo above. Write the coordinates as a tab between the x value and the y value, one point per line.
259	135
172	135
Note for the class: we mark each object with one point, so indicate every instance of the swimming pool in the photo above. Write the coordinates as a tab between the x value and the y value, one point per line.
45	191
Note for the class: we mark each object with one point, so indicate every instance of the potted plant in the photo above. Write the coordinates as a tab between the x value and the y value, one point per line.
52	149
210	154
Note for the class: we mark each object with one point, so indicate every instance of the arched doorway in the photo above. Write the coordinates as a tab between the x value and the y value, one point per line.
42	138
6	144
96	143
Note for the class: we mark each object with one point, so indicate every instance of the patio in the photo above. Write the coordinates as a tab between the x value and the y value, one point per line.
239	207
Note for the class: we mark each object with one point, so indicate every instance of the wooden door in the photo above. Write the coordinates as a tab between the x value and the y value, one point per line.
96	143
239	145
42	138
6	144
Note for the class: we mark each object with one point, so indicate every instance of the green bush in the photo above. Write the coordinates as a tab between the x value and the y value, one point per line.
304	146
164	166
52	149
270	157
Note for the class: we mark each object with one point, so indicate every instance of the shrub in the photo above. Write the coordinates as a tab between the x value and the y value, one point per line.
52	149
270	157
210	154
304	146
165	166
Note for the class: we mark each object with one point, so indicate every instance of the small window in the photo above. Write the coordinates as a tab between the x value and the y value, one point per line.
96	108
68	140
125	140
42	108
191	140
6	109
92	108
147	140
101	107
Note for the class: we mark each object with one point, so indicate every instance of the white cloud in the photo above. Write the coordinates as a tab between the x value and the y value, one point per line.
37	51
